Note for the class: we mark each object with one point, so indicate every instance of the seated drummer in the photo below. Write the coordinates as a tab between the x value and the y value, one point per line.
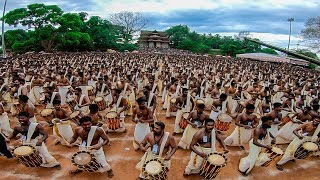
261	139
94	114
36	137
93	138
309	131
157	143
196	117
59	112
203	143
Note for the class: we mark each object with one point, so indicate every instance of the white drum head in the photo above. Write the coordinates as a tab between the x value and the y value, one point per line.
225	117
153	168
111	115
23	151
98	99
74	114
82	158
310	146
216	159
185	115
46	112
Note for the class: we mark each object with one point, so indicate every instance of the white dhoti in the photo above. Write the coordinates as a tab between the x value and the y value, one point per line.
274	129
187	136
35	95
196	161
84	90
239	136
5	124
63	90
247	163
208	102
291	149
101	159
166	98
214	115
63	132
33	119
285	134
140	132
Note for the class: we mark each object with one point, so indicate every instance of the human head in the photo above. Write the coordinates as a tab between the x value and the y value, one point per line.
23	118
78	91
250	108
223	97
141	102
277	106
23	99
56	104
158	128
184	92
200	108
85	123
315	107
266	122
94	108
209	124
306	110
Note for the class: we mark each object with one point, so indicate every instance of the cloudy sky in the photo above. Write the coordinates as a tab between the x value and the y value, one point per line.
265	19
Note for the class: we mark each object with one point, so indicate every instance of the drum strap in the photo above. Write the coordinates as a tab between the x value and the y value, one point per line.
213	141
118	102
81	99
163	143
2	86
31	129
224	107
91	134
150	98
154	87
53	96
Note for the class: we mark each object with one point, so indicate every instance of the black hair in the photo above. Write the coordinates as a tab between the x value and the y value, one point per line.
223	96
250	106
94	107
84	119
265	119
24	113
161	124
208	120
201	106
277	104
141	100
23	98
56	101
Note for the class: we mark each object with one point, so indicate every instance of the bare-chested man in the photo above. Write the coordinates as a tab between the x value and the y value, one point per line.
93	139
157	143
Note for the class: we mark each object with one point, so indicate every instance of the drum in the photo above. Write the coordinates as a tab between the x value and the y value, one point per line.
223	122
27	155
213	165
101	103
47	114
183	123
72	103
199	101
90	90
76	116
240	107
287	118
154	169
258	115
113	120
305	150
85	161
275	154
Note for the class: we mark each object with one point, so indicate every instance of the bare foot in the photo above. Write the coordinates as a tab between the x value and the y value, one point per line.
74	172
110	174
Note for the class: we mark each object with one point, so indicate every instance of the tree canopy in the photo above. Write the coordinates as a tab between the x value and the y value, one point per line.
311	33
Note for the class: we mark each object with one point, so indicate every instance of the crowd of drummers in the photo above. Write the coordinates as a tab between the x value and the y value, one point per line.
85	96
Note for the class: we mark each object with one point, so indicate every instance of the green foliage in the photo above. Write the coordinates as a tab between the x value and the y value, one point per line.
307	53
313	66
177	34
269	51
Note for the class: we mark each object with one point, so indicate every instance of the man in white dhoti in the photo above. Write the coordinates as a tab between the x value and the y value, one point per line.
33	134
36	94
202	144
261	139
184	104
157	144
275	115
195	121
93	139
82	100
309	131
219	106
143	117
4	122
63	86
285	134
245	122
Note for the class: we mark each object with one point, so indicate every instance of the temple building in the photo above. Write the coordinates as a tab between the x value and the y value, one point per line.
152	39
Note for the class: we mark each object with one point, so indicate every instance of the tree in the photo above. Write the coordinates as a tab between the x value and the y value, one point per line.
177	34
311	33
130	23
308	53
34	16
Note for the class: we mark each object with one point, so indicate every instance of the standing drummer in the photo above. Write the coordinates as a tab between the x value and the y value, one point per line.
202	144
93	139
34	134
157	143
261	139
309	131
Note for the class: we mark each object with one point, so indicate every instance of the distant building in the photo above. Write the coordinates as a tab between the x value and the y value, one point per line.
153	39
